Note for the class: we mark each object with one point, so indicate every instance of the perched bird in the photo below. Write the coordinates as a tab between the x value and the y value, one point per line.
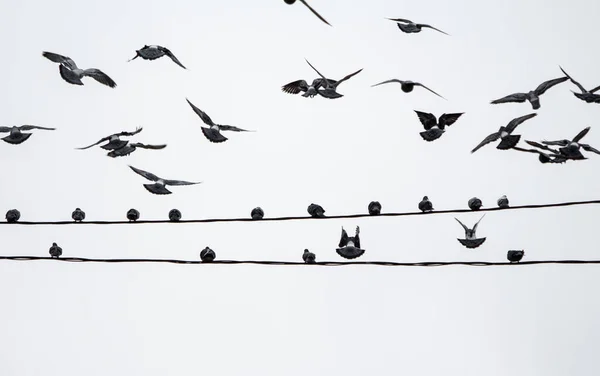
588	96
316	211
425	205
330	86
532	96
130	147
508	140
515	255
174	215
154	52
16	135
301	86
471	240
309	257
213	134
13	215
475	203
159	187
349	246
434	128
133	215
114	140
407	86
207	255
374	208
570	148
55	251
409	27
290	2
73	75
78	215
503	202
257	213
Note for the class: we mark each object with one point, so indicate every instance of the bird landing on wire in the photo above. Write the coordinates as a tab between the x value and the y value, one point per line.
471	240
349	246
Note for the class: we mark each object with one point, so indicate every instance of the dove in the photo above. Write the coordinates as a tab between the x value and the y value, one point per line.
257	213
434	128
174	215
508	140
73	75
213	134
308	257
587	96
114	140
16	135
290	2
159	187
130	147
503	202
13	215
154	52
553	157
349	246
301	86
471	240
374	208
570	148
515	255
330	86
475	203
316	211
207	255
55	251
532	96
78	215
409	27
133	215
425	205
407	86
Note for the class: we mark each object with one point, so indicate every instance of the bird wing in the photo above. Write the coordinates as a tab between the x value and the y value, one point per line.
232	128
462	224
556	143
175	60
595	89
205	118
145	146
4	129
315	69
548	84
337	83
428	120
343	239
431	27
315	12
512	98
388	81
125	133
96	143
423	86
491	138
573	81
400	20
516	121
146	174
581	134
30	127
541	146
152	53
64	60
476	224
100	76
448	119
589	148
356	237
295	87
180	182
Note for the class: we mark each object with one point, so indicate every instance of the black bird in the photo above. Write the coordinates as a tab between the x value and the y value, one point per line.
407	86
588	96
570	148
475	203
374	208
13	215
290	2
130	147
16	135
553	157
114	140
78	215
409	27
55	251
73	75
154	52
532	96
330	86
309	257
133	215
159	187
213	134
301	86
316	211
207	255
349	246
515	255
257	213
503	202
425	205
174	215
508	140
434	128
471	240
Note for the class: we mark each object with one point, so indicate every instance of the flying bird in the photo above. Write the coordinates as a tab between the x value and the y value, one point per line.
130	147
309	257
570	148
515	255
425	205
503	202
532	96
471	240
409	27
78	215
154	52
17	136
159	187
434	128
374	208
114	140
588	96
213	134
407	86
174	215
349	246
474	203
301	86
55	251
290	2
330	86
553	157
73	75
508	140
316	211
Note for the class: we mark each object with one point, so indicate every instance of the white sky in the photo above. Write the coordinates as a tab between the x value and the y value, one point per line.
98	319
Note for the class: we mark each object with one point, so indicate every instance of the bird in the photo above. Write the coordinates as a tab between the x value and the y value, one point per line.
407	86
213	134
330	90
207	255
301	86
16	135
114	140
349	246
308	257
13	215
515	256
130	147
133	215
73	75
409	27
471	240
434	128
532	96
503	202
588	96
78	215
508	140
257	213
425	205
475	203
55	251
290	2
374	208
570	148
316	211
553	157
174	215
154	52
159	187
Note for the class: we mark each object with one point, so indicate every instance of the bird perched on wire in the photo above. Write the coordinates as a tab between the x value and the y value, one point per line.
73	74
587	96
503	202
471	240
257	213
12	216
507	139
434	128
207	255
159	187
409	27
174	215
407	86
290	2
425	205
78	215
55	251
133	215
114	140
316	211
475	203
17	136
309	257
532	96
515	255
571	148
330	86
154	52
349	246
213	134
130	147
374	208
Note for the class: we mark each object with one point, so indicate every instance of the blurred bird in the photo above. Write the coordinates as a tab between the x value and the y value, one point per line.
73	75
130	147
475	203
316	211
508	140
309	257
503	202
585	95
207	255
330	86
515	256
55	251
409	27
553	157
133	215
570	148
471	240
290	2
349	246
154	52
425	205
16	135
374	208
301	86
407	86
257	213
159	187
213	134
434	128
78	215
114	140
532	96
13	215
174	215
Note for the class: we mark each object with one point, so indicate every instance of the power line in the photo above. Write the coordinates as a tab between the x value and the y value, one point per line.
290	218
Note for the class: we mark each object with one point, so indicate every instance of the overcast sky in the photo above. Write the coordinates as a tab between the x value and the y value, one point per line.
135	319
